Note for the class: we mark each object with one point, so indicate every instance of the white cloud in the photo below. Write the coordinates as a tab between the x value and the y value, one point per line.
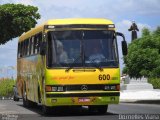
25	2
93	8
8	53
122	12
141	7
123	27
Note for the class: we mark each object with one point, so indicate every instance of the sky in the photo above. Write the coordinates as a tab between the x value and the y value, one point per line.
146	13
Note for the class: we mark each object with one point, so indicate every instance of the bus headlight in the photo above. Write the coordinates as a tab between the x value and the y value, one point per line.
111	87
54	88
60	88
106	87
57	89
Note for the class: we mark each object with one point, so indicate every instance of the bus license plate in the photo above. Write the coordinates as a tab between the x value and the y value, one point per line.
84	100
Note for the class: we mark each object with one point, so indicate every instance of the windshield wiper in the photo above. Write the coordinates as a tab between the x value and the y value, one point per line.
67	70
96	65
92	61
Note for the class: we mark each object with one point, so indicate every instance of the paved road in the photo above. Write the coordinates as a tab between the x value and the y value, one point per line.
15	109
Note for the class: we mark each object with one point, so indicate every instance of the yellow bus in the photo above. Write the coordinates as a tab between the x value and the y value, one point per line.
70	62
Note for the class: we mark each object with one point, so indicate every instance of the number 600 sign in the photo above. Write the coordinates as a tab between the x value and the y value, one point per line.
104	77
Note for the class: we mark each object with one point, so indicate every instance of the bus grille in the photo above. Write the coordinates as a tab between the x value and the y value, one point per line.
84	87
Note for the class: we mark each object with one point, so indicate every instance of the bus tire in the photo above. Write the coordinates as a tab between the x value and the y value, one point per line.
101	109
39	95
26	102
46	110
15	98
24	97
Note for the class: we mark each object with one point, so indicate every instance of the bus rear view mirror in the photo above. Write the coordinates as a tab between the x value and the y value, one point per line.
124	48
43	48
124	43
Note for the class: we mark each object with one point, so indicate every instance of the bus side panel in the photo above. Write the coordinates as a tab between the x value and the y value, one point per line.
29	75
20	79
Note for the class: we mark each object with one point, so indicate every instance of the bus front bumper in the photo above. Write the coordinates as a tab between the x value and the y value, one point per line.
81	99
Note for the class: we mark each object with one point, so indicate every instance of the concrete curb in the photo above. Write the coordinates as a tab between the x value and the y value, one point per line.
140	101
6	98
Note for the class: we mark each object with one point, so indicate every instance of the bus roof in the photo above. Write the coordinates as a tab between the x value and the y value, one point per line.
79	21
68	21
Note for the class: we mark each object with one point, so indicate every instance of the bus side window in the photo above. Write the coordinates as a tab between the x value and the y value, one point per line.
31	43
39	39
35	45
18	55
25	46
28	46
22	49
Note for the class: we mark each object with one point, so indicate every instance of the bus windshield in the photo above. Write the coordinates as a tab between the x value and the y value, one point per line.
82	48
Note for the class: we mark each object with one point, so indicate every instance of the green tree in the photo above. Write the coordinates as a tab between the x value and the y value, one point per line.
6	87
145	32
143	57
16	19
125	70
157	32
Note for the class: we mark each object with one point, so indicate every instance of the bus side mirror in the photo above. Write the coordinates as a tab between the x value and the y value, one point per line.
43	48
124	48
124	43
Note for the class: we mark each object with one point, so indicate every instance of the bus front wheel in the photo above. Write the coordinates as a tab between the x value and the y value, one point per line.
101	109
15	98
46	110
24	97
26	102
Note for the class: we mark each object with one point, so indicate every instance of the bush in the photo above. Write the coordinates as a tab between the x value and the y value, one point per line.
6	87
155	82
